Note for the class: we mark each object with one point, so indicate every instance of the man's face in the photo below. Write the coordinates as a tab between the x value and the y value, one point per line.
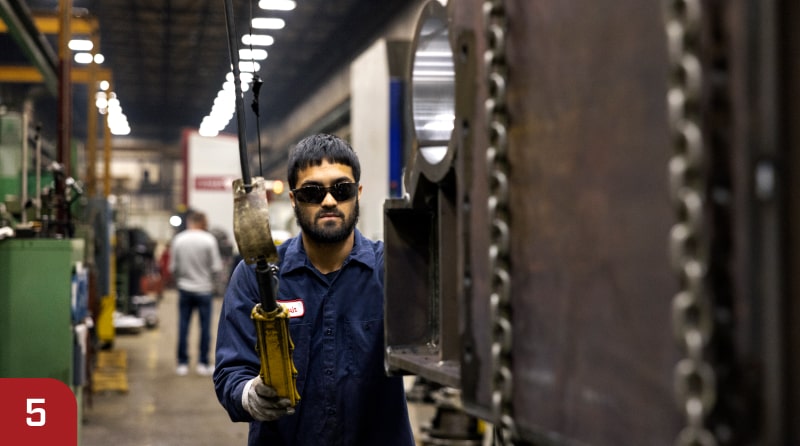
331	221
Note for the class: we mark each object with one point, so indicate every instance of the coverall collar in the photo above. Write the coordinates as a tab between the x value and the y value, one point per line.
295	255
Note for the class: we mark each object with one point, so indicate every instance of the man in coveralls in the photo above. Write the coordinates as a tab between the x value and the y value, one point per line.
331	282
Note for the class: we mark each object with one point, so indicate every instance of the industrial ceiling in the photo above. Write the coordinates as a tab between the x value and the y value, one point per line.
169	58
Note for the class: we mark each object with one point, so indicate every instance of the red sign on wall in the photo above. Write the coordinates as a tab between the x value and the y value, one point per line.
213	183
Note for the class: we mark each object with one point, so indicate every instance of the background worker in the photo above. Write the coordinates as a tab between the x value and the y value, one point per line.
331	277
194	263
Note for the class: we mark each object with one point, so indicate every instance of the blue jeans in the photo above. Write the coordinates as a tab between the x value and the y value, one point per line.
187	303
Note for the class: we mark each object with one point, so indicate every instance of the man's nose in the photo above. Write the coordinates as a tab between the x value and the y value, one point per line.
328	201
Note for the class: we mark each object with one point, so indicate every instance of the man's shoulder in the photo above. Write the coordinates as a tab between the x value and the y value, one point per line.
363	240
290	251
367	250
177	238
288	246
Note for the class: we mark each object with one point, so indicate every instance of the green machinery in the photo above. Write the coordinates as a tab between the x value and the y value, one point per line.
36	305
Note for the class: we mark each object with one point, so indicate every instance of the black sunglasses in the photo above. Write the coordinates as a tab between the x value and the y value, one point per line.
315	194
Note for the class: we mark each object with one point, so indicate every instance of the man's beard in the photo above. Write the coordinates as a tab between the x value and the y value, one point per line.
323	234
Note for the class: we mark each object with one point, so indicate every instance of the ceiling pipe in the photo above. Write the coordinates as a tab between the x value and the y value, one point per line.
63	148
17	17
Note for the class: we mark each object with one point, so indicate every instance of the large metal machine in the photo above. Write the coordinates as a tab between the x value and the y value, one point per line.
595	243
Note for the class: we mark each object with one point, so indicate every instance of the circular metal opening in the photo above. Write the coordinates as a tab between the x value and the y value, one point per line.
433	85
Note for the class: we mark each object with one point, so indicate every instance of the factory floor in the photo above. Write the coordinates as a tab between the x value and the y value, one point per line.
155	407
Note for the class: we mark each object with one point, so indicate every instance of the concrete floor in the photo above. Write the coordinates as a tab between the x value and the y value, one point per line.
161	408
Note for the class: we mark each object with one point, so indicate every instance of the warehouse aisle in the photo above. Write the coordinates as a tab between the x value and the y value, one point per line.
160	408
163	409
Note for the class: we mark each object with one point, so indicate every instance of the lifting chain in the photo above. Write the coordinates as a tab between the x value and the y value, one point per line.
496	69
690	241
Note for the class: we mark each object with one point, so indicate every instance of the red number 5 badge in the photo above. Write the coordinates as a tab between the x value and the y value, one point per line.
37	411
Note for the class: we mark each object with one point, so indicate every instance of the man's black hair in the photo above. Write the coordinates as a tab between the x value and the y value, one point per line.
313	150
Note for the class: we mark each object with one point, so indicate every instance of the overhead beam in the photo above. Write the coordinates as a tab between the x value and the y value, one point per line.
17	18
27	74
49	24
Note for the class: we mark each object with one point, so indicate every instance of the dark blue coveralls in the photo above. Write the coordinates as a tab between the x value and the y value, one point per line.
346	397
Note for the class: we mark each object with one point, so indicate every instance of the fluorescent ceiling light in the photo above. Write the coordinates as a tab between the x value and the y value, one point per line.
122	130
277	5
268	23
244	77
229	85
249	66
257	39
117	121
80	45
208	133
224	105
256	54
83	58
99	58
221	101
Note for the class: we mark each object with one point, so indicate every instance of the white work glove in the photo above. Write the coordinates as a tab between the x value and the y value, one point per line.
262	402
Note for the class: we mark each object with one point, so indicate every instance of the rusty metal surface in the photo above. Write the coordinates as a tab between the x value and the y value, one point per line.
594	352
792	197
591	282
765	99
421	318
425	245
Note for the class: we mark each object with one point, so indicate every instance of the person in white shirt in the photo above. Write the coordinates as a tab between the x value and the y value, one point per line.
194	262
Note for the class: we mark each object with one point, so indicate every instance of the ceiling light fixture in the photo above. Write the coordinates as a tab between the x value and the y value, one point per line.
101	100
228	86
246	78
277	5
255	54
83	58
80	45
268	23
224	106
257	39
117	121
249	66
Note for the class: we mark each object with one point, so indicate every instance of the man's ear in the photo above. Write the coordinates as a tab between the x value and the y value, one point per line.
291	198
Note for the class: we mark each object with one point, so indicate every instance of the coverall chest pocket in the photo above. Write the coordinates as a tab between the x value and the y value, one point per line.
364	343
301	335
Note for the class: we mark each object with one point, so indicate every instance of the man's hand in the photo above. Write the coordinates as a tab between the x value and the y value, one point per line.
262	401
